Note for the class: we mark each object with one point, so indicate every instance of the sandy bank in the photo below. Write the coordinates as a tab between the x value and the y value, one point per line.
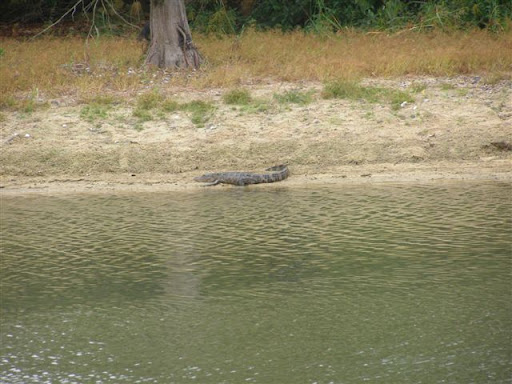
488	171
445	134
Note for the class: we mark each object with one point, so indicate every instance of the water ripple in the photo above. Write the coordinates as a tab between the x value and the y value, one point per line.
331	284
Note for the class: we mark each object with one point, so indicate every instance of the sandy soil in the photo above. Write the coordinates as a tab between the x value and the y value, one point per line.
446	134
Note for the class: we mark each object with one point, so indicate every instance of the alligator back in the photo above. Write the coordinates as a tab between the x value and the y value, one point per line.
276	173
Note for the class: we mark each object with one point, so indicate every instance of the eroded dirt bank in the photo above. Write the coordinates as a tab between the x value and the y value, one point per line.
451	129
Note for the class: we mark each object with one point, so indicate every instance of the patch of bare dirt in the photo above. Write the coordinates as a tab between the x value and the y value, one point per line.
446	133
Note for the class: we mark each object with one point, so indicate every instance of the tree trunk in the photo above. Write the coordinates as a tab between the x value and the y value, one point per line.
171	43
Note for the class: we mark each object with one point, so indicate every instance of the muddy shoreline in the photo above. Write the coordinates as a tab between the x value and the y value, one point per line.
490	171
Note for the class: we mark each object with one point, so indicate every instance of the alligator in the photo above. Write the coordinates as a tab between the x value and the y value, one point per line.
276	173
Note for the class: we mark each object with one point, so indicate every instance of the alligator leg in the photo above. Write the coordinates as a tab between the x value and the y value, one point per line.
211	184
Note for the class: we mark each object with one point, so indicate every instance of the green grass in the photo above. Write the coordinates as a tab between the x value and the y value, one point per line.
200	111
151	106
102	100
138	126
369	115
451	87
447	87
26	105
169	105
97	107
242	100
462	92
8	102
350	90
418	87
150	100
257	106
397	97
294	97
93	112
142	114
353	91
237	97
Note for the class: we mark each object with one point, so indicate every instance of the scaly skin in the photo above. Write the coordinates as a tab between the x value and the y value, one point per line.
277	173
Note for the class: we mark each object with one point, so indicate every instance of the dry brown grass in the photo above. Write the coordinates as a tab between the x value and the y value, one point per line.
56	66
296	56
114	65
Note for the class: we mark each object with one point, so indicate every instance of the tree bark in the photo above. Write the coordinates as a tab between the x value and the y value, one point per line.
171	42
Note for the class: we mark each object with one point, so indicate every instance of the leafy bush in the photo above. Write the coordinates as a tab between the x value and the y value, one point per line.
316	16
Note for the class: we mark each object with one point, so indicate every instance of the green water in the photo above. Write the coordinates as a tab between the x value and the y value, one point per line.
379	284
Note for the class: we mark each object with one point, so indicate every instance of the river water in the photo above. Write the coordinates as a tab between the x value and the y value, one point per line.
378	284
